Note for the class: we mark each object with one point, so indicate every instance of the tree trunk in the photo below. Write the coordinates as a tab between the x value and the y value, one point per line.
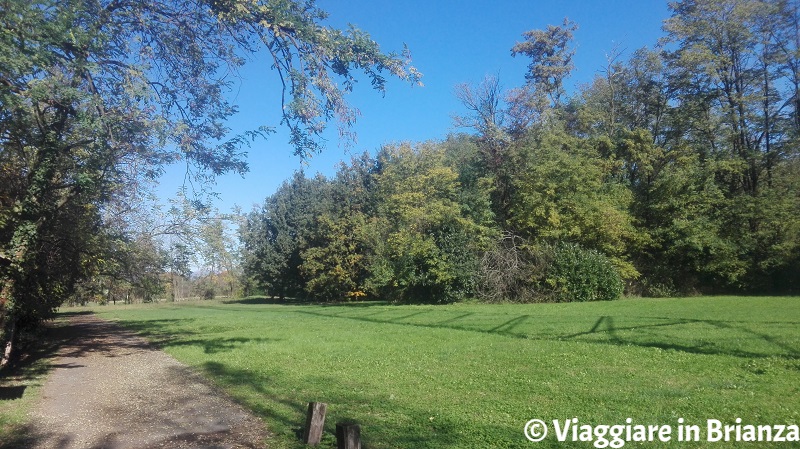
9	345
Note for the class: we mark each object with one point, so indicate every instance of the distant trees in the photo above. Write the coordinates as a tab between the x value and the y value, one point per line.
393	227
733	75
675	171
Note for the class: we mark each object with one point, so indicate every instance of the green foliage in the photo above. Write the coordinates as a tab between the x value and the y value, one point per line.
578	274
678	167
687	229
515	271
551	58
275	236
432	243
96	97
567	193
399	227
333	263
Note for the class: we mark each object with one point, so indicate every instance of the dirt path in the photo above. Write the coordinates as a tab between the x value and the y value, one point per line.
110	389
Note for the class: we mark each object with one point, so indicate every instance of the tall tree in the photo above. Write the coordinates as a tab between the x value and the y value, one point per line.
566	194
551	59
217	252
488	115
97	95
276	235
726	64
426	244
337	249
732	73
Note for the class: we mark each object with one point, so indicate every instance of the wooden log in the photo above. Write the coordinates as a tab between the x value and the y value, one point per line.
315	421
348	436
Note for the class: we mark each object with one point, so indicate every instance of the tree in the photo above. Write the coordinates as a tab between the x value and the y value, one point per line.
179	266
97	95
732	74
551	59
488	116
629	95
726	64
427	246
337	249
276	235
217	252
565	195
333	263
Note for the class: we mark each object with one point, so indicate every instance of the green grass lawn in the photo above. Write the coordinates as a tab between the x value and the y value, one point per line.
471	375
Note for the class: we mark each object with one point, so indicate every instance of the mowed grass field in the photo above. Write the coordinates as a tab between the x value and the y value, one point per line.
472	375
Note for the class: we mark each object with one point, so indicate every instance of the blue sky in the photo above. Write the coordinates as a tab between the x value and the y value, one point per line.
451	42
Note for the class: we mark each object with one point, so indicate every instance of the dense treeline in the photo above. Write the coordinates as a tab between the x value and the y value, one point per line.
673	172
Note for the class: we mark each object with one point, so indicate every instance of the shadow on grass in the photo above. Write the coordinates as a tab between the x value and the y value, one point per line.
165	333
35	360
604	330
8	393
263	300
260	300
70	335
38	347
271	397
159	332
652	332
258	386
217	345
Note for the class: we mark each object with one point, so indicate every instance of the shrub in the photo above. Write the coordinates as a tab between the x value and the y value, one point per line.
508	272
579	274
514	271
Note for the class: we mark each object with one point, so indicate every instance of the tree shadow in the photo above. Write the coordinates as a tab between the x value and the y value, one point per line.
22	438
217	345
37	346
265	300
260	300
8	393
35	360
649	332
273	399
257	386
158	333
184	419
710	347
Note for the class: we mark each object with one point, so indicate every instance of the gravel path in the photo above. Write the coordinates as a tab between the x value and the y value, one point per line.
110	389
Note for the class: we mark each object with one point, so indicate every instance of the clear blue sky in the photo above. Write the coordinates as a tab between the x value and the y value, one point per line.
451	42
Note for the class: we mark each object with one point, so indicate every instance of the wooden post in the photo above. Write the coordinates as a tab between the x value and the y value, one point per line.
315	421
348	436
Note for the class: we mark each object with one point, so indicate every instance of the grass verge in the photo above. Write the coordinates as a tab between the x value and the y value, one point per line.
471	375
20	384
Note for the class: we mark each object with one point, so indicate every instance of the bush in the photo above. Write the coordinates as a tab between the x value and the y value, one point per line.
514	271
579	274
508	272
